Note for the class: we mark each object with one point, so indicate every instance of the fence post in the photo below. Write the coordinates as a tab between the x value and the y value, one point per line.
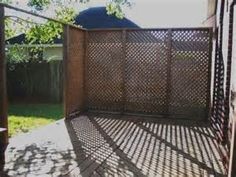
232	157
65	75
169	58
85	73
209	99
232	160
123	56
3	91
74	53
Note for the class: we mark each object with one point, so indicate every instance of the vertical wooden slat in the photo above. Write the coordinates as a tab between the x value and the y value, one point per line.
215	83
3	89
221	25
233	167
74	54
65	74
232	161
123	58
169	58
232	157
228	73
85	69
78	58
208	112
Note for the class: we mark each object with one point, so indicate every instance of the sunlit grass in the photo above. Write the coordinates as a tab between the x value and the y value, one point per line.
25	117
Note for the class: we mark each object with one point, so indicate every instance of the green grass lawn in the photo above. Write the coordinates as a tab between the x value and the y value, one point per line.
25	117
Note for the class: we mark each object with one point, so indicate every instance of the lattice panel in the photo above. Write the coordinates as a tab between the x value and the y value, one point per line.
146	71
190	73
160	72
218	108
104	71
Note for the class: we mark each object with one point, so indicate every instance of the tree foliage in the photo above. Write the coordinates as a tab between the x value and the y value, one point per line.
47	31
64	12
39	4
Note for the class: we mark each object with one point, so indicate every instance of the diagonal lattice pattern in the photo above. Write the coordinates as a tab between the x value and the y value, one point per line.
146	71
160	72
104	71
190	72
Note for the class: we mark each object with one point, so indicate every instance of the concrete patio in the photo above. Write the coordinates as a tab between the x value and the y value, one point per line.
109	145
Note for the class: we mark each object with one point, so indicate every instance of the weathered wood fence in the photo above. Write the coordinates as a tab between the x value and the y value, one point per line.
36	81
160	72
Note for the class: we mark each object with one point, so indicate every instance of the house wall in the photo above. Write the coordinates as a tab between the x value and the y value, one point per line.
234	53
211	8
53	53
211	16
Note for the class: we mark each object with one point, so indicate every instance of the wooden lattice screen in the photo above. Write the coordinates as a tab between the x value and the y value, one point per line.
149	71
223	100
218	107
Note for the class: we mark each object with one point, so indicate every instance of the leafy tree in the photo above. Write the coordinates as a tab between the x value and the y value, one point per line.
6	1
65	13
39	4
46	32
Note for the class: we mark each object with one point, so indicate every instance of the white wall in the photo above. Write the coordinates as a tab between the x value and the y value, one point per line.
53	53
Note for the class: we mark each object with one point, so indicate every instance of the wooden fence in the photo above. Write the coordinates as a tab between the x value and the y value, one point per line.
161	72
40	82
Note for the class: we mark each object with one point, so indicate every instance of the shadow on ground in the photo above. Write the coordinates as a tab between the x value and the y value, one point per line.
105	145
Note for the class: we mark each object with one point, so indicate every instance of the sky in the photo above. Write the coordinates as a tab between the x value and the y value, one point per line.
165	13
155	13
169	13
